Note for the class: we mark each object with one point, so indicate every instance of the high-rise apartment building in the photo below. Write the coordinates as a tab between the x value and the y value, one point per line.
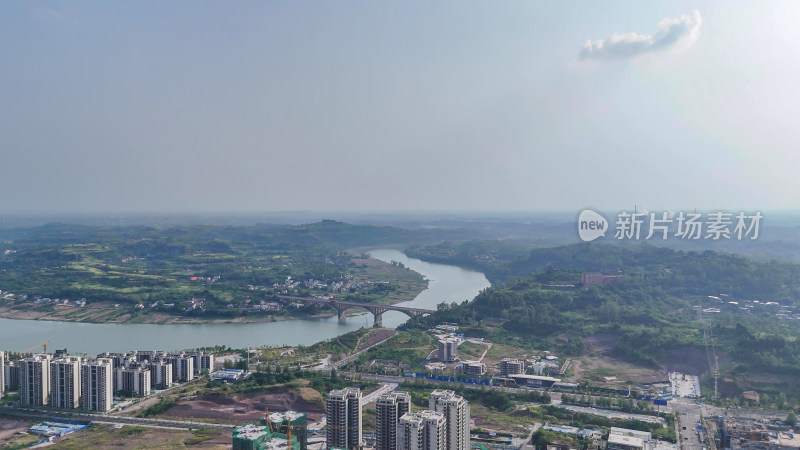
388	410
34	380
160	374
456	412
344	418
65	382
426	430
2	374
448	349
133	381
182	367
97	385
11	376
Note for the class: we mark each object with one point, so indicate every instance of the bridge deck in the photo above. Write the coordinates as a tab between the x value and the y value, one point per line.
356	304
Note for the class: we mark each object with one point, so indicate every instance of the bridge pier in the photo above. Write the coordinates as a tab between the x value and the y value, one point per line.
377	313
341	309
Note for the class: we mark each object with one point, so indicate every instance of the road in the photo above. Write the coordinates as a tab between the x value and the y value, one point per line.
689	414
350	358
375	395
106	418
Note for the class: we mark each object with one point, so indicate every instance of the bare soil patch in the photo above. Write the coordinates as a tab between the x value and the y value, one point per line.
247	407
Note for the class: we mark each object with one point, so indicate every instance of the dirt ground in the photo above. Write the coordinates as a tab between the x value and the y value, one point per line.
249	407
9	427
375	337
602	364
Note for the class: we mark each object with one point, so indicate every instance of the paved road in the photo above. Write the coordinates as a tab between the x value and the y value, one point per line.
106	418
373	396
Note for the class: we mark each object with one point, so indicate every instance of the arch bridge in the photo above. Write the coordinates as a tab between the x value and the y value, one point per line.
342	306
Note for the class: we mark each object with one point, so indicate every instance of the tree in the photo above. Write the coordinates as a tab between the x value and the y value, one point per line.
791	419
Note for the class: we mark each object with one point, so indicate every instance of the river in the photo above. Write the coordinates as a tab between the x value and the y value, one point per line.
446	283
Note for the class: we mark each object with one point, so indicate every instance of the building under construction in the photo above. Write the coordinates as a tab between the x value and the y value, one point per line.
281	421
260	437
740	433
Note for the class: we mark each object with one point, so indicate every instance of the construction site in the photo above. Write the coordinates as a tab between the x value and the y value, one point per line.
277	430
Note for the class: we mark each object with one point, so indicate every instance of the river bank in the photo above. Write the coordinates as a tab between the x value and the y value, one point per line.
445	284
407	284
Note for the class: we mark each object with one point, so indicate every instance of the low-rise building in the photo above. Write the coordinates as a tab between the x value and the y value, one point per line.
511	366
473	368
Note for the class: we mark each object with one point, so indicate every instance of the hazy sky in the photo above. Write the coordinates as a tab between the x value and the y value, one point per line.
256	106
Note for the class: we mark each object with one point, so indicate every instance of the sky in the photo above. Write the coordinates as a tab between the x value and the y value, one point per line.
192	106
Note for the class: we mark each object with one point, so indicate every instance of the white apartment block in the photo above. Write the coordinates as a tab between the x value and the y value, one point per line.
65	382
160	374
182	367
134	381
456	412
34	380
97	385
2	373
426	430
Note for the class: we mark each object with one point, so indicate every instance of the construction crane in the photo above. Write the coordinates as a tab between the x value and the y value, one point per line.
267	419
43	345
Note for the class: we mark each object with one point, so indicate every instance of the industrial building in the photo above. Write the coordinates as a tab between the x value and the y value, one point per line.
343	410
389	408
97	385
448	349
590	279
34	380
511	366
455	410
533	381
227	375
626	439
426	430
65	382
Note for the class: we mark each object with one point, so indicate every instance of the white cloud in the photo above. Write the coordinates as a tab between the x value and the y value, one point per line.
675	33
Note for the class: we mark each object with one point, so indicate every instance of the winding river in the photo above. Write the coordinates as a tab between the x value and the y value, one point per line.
446	283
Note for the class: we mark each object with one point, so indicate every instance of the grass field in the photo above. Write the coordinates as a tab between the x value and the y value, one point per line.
132	437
